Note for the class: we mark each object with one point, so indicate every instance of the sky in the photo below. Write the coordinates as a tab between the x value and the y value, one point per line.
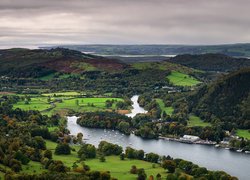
43	22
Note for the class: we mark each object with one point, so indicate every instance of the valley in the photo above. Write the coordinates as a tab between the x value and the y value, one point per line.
149	106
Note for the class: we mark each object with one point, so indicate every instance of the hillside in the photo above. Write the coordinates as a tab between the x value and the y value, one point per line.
211	62
37	63
237	50
227	99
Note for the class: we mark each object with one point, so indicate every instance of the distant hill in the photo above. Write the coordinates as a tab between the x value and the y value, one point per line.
239	50
36	63
211	62
227	99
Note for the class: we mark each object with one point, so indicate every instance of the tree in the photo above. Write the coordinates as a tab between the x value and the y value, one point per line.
152	157
102	158
48	154
122	156
87	150
158	176
169	165
108	104
77	102
105	176
79	137
141	174
133	170
140	154
124	127
62	148
15	165
164	115
39	142
21	157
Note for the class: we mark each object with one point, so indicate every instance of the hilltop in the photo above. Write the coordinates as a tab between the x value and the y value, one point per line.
237	50
226	99
211	62
38	63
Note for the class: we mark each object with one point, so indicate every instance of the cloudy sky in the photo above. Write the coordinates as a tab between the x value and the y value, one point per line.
38	22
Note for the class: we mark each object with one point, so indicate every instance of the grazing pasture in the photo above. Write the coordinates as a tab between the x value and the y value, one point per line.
181	79
168	110
66	101
243	133
196	121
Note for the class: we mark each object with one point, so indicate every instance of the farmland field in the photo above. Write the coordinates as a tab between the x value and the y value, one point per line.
120	169
196	121
181	79
70	93
168	110
243	133
36	103
65	102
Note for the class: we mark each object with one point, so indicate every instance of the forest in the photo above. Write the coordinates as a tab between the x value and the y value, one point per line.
180	99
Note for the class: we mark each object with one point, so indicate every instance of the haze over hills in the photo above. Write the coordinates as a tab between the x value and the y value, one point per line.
238	50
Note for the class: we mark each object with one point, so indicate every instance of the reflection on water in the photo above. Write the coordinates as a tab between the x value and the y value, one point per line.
136	109
237	164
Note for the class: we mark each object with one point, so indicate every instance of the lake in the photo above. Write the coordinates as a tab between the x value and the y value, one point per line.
234	163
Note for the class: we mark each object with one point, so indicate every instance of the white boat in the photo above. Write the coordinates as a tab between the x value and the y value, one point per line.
217	145
239	150
227	148
248	152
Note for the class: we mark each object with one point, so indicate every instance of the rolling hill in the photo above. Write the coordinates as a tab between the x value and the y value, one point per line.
211	62
37	63
237	50
227	99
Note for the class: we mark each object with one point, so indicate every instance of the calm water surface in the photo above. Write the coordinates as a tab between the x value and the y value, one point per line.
236	164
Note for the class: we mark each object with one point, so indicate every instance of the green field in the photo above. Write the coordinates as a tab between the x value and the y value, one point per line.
168	110
181	79
85	104
120	169
68	160
243	133
165	66
70	93
196	121
66	103
36	103
33	167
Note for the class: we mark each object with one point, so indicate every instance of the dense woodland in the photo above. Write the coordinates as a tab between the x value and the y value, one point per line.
222	102
211	62
227	99
22	140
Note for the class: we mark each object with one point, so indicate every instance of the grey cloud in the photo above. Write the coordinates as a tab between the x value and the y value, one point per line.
124	21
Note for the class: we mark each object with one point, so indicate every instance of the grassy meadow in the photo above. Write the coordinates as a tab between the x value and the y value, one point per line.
196	121
168	110
243	133
64	102
181	79
118	168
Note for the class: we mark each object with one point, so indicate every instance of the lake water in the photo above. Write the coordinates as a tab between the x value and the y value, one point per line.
234	163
